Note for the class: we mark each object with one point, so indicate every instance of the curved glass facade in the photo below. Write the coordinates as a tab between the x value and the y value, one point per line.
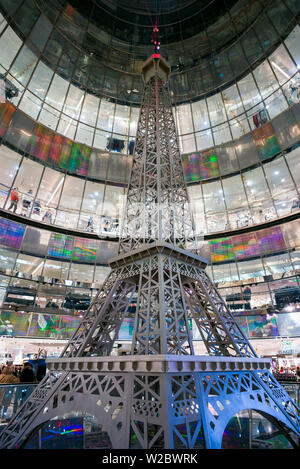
46	91
250	181
48	278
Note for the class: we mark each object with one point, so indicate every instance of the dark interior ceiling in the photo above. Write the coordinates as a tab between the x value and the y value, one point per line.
219	21
100	45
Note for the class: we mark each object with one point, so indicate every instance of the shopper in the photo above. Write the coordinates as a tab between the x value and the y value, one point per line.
90	225
27	374
14	199
7	376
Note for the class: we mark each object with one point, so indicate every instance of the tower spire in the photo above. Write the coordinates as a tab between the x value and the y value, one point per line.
157	206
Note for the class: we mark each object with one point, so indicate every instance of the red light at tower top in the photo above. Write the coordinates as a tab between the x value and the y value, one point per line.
155	39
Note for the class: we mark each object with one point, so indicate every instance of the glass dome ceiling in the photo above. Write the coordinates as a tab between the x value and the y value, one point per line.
188	29
100	45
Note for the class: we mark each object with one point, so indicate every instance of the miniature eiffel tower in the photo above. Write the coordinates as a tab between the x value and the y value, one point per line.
162	395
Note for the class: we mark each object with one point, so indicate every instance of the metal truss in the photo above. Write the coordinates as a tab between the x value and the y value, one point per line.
161	402
157	206
162	395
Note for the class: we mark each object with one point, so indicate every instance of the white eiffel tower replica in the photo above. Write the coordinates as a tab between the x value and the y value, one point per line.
162	395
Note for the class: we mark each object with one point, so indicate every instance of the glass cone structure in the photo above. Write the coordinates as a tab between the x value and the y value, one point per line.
162	395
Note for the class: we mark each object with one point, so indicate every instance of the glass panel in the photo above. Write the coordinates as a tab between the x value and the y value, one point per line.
29	265
73	103
293	161
256	186
265	79
72	193
239	126
9	46
246	151
195	196
49	193
84	134
40	80
49	116
30	104
67	126
119	168
265	32
134	116
27	182
36	241
200	115
23	65
237	58
225	273
291	90
232	101
251	269
184	119
10	161
187	143
106	115
112	207
67	218
98	165
3	23
251	45
57	92
282	64
93	198
89	110
277	264
26	16
278	176
101	273
213	196
292	43
20	131
285	202
249	92
101	138
234	192
276	104
204	140
81	273
227	159
41	32
221	134
121	121
216	109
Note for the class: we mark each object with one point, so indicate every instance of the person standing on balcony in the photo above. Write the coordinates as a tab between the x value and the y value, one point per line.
14	199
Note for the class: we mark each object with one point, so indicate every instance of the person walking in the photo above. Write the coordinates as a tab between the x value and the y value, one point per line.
14	199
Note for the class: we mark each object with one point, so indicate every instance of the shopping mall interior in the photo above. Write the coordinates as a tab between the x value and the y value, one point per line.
70	96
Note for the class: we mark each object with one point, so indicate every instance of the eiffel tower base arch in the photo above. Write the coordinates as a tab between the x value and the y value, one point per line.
157	402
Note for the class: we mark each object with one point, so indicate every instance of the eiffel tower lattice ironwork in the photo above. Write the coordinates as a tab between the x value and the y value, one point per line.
162	395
